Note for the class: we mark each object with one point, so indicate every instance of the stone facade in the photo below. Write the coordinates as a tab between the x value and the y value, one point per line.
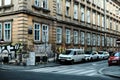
23	14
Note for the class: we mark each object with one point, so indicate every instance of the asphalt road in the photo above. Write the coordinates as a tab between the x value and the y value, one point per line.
79	71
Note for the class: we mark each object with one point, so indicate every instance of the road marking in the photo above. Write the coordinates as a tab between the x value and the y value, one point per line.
88	71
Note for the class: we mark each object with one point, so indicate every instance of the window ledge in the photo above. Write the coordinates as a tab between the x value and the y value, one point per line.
6	6
67	16
40	8
75	19
59	14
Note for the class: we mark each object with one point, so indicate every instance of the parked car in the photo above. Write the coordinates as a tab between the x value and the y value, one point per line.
91	55
103	54
71	55
114	59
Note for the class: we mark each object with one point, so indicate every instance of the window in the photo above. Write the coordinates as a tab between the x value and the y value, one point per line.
102	40
0	30
88	15
102	21
98	40
108	40
114	42
75	37
45	33
37	32
67	36
0	2
107	23
110	24
75	11
82	38
67	8
37	3
45	4
94	39
98	19
82	13
59	7
7	31
116	27
111	41
102	4
7	2
58	35
93	17
88	38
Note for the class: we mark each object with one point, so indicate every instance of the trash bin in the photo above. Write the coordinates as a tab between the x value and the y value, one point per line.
45	58
37	59
5	60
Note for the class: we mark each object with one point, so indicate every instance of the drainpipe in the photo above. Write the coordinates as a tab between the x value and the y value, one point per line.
105	42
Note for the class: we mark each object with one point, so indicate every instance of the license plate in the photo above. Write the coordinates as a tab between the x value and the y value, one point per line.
62	60
114	61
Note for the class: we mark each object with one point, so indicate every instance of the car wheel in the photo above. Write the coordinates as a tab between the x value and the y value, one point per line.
72	62
91	59
109	65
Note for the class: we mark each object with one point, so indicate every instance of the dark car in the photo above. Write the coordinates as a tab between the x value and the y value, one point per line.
114	59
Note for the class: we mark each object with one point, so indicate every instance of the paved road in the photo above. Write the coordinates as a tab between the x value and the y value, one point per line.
81	71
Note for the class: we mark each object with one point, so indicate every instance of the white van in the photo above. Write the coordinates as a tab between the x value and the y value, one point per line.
72	55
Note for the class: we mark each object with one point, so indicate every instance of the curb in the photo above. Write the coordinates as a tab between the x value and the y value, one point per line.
107	74
26	67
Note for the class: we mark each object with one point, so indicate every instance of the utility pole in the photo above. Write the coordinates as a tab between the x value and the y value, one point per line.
105	41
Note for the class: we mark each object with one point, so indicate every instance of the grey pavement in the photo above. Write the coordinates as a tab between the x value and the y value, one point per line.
113	71
21	67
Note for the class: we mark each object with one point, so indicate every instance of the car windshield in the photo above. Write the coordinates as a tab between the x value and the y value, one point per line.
100	52
67	52
87	52
117	54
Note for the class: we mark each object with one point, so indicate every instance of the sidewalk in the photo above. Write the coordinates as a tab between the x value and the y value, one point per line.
51	63
113	71
17	67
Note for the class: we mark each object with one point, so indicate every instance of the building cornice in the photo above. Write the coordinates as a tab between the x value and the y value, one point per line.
26	11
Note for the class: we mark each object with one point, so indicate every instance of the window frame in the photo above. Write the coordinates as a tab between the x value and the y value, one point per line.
45	38
82	38
67	8
76	37
39	29
59	35
6	2
46	4
88	15
58	7
68	36
82	13
0	30
88	38
94	17
8	35
75	11
37	3
98	40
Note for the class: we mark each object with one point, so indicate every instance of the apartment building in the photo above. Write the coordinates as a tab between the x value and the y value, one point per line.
44	25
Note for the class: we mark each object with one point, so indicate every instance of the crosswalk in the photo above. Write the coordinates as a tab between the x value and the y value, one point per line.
67	70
